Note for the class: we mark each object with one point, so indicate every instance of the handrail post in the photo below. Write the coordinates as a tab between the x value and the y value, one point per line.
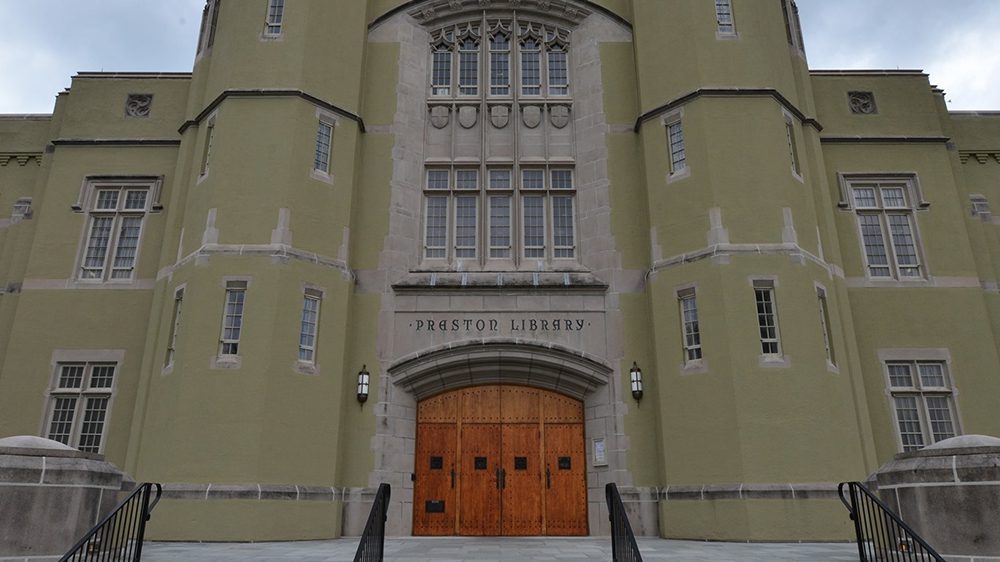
885	533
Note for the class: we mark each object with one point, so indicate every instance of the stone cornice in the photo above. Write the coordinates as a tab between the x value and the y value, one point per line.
279	93
727	93
883	140
116	142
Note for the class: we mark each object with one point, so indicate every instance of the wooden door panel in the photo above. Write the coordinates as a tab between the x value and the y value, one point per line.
479	476
522	480
434	501
557	408
566	480
481	404
442	408
519	404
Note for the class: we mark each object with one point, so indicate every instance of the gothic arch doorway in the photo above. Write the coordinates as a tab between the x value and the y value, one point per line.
500	460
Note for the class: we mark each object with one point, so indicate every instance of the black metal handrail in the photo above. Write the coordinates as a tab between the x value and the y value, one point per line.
372	546
118	537
882	535
623	545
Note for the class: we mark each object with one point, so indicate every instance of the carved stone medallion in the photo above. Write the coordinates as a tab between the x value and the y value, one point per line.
559	115
467	116
439	116
532	116
138	105
862	102
499	116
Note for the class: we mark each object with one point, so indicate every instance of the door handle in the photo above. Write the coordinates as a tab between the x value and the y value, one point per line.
452	477
548	476
503	479
498	478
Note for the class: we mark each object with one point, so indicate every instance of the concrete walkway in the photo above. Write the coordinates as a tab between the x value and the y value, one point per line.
487	549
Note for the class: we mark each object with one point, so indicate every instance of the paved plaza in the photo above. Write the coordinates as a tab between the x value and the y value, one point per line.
487	549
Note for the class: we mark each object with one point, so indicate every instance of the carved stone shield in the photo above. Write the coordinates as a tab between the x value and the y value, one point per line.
532	116
499	116
559	115
467	116
439	116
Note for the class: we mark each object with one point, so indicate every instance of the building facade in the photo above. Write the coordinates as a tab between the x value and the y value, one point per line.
554	244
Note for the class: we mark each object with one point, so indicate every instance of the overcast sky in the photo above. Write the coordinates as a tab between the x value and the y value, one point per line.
46	41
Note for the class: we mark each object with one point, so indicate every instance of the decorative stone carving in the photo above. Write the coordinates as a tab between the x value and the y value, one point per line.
499	116
439	116
484	3
544	5
559	116
467	116
532	116
138	105
862	102
455	4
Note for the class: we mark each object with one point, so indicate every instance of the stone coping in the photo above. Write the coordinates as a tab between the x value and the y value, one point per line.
45	470
922	453
258	492
747	491
30	452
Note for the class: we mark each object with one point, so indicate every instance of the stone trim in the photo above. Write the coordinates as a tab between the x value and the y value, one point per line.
276	93
981	156
256	492
22	158
884	140
275	251
456	366
424	282
727	92
742	491
724	250
116	142
588	4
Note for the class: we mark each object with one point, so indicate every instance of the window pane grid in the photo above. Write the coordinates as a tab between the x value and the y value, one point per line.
324	135
438	179
500	65
465	226
500	179
499	227
61	426
93	424
939	413
532	179
910	431
71	376
275	15
175	327
724	16
232	321
558	73
128	245
887	230
767	322
307	332
562	179
874	242
900	376
468	68
135	200
678	155
102	376
824	320
692	332
436	233
467	179
564	240
441	73
904	245
534	227
531	69
97	247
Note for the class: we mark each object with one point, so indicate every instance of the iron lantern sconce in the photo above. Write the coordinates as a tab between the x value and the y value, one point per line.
364	382
636	375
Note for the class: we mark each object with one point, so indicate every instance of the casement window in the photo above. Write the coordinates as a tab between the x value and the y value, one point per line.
887	228
531	67
474	214
468	67
767	318
675	141
824	322
232	318
923	402
79	403
324	140
793	149
724	17
309	330
206	153
793	25
114	230
175	326
690	330
558	70
275	16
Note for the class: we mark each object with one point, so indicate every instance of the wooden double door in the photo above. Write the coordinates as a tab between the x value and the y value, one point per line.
500	460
